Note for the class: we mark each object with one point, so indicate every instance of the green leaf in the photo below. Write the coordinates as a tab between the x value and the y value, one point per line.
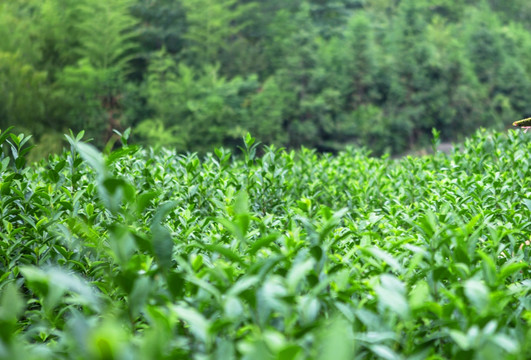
139	295
419	295
262	242
143	200
228	253
527	203
298	272
194	320
509	269
120	153
93	157
477	293
86	295
5	134
391	294
336	340
244	283
386	258
289	352
507	343
5	163
175	283
460	339
241	203
384	352
12	304
162	239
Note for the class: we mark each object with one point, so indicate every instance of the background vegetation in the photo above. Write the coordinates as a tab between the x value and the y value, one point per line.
324	73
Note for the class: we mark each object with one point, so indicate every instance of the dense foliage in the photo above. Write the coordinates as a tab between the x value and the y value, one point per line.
326	74
143	254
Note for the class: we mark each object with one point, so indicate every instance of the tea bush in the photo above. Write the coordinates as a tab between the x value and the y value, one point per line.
144	254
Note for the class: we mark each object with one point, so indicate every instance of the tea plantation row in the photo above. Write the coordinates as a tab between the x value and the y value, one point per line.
143	254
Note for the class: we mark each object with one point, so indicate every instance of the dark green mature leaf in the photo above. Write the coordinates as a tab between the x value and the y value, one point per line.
162	239
5	134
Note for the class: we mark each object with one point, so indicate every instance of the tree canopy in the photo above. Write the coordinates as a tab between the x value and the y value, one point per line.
326	74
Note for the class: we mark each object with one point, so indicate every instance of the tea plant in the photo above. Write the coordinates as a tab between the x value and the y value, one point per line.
143	254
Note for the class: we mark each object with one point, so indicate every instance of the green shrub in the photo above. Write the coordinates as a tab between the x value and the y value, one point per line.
147	254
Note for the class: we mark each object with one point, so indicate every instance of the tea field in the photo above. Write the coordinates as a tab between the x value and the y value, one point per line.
144	254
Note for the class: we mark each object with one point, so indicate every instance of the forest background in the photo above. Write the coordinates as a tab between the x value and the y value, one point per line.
197	74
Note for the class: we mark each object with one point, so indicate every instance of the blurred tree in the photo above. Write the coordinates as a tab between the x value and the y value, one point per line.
449	10
500	62
410	82
319	73
362	62
513	83
367	126
484	44
294	46
514	10
358	76
330	16
23	94
457	96
17	30
90	91
58	26
517	44
199	108
265	117
106	35
331	83
210	26
162	24
24	91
